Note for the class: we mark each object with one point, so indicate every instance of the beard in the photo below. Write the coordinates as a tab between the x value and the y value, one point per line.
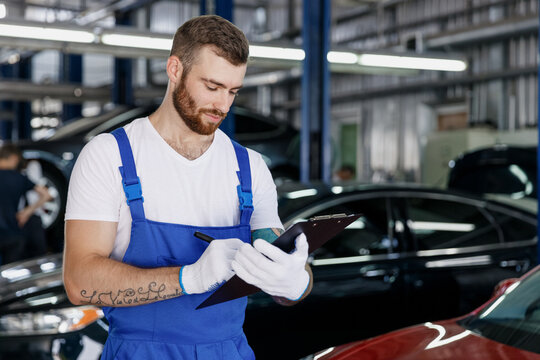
190	114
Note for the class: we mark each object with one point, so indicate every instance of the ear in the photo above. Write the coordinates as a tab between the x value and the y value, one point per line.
174	69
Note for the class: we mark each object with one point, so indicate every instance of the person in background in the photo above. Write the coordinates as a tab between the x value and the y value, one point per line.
13	186
344	173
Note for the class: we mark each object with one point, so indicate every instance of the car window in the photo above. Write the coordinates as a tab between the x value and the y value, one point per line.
513	179
441	224
366	236
514	227
513	318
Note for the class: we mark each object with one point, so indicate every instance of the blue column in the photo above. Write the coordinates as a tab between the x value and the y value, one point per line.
6	124
23	109
315	149
71	71
202	7
18	127
538	162
122	89
224	8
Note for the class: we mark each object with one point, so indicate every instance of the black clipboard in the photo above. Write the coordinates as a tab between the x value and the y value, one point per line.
318	231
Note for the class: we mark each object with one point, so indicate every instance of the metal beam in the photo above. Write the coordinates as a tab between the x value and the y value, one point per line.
482	34
224	8
71	71
22	90
122	90
538	167
315	129
366	94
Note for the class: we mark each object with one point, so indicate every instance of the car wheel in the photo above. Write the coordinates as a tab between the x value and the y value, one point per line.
52	215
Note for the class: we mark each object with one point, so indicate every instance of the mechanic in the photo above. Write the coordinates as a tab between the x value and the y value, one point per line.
13	186
137	197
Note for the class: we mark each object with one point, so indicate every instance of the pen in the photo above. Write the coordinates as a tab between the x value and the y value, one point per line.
202	236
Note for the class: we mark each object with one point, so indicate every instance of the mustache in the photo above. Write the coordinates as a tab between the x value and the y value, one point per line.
215	112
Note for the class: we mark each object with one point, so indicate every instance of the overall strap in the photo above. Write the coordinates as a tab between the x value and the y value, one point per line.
130	180
245	196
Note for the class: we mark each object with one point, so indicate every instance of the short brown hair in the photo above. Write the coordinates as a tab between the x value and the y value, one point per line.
7	150
229	41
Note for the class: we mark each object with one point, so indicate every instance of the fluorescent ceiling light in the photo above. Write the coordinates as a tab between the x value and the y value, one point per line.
137	41
440	226
301	193
164	43
410	62
271	52
3	11
46	33
340	57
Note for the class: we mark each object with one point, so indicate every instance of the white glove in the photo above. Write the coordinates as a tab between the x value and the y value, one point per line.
272	270
212	268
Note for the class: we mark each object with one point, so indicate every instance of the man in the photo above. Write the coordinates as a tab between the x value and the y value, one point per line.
137	197
13	186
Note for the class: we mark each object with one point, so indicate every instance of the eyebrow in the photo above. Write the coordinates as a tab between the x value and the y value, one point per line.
217	83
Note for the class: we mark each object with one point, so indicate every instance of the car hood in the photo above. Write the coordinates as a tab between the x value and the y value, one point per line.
444	340
32	284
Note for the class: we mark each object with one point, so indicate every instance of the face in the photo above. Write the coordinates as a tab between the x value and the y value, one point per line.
10	163
203	97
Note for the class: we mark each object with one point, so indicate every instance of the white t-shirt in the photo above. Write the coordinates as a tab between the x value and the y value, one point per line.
200	192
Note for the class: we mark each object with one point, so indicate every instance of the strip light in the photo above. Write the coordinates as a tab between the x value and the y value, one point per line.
144	42
410	62
3	11
271	52
340	57
46	33
256	51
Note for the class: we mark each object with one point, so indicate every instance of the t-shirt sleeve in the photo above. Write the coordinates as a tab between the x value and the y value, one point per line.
95	188
265	214
27	185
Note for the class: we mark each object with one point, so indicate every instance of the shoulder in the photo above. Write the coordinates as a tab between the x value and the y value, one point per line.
255	158
106	143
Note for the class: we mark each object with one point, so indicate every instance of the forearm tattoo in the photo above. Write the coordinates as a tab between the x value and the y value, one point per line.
268	234
153	292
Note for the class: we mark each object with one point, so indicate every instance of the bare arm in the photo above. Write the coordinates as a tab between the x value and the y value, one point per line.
271	234
91	277
24	214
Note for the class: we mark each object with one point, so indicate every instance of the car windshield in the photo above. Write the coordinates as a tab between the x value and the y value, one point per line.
81	126
514	317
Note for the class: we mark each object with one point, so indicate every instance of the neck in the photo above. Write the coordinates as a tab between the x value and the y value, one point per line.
175	132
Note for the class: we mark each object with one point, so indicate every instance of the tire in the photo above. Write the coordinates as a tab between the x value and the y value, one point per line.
52	215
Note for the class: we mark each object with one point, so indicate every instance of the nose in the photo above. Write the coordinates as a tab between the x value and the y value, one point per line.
223	101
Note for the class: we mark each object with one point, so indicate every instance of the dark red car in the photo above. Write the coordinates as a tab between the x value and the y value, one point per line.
506	327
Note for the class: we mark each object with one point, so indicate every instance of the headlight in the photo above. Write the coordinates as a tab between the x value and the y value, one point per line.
50	322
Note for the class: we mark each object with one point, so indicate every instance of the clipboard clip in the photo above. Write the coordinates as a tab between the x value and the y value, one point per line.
326	217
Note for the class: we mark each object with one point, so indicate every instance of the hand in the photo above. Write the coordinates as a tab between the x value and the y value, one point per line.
23	216
212	268
273	271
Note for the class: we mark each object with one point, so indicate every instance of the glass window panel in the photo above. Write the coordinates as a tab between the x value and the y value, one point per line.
366	236
441	224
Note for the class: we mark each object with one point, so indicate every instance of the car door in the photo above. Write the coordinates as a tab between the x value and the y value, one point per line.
463	250
357	285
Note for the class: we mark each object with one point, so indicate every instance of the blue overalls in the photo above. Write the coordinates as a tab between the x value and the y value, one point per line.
173	329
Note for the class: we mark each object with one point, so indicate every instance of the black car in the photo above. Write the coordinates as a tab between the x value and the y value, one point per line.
501	169
414	255
58	153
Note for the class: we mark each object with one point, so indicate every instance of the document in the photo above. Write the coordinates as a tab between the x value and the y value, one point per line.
318	230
